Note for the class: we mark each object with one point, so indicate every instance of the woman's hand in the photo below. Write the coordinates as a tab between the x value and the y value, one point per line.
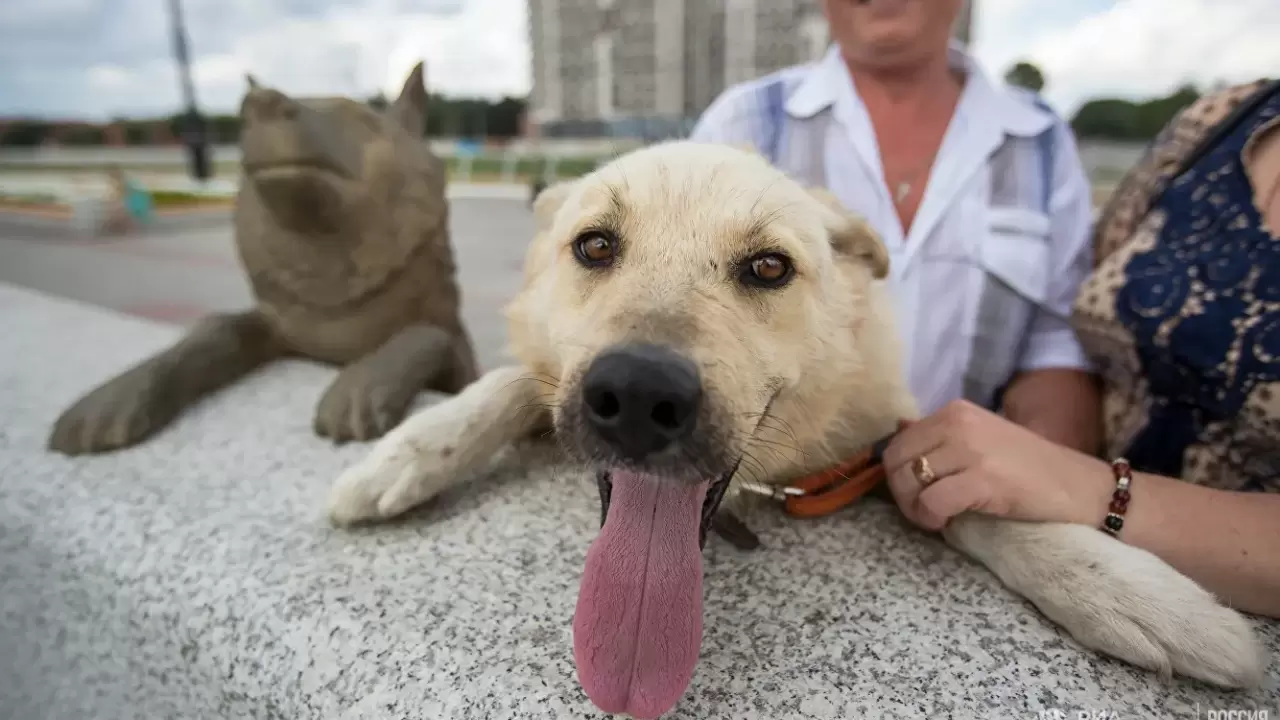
984	463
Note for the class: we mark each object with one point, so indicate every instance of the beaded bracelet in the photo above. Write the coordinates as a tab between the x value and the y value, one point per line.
1119	497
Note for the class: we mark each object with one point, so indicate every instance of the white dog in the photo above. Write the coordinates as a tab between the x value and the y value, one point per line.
690	316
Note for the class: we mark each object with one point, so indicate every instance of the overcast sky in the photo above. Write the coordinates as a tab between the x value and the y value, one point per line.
98	58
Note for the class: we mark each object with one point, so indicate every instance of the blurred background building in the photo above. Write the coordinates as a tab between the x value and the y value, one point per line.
648	68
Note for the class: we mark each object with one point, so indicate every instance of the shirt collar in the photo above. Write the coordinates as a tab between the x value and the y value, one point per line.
827	83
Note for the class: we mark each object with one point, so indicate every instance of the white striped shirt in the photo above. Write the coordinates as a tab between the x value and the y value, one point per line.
972	224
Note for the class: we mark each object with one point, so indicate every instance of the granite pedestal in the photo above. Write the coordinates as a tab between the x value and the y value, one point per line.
195	576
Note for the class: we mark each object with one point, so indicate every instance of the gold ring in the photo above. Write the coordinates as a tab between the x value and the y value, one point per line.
923	472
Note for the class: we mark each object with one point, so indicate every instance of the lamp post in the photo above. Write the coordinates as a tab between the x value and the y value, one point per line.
963	31
192	125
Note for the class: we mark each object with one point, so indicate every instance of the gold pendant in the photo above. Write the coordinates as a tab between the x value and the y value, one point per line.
904	189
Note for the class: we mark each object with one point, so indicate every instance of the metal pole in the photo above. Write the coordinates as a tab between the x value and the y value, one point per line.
963	30
192	126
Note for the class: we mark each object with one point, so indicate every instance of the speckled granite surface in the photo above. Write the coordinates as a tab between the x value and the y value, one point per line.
195	577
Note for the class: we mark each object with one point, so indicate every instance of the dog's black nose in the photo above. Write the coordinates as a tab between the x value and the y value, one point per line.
641	398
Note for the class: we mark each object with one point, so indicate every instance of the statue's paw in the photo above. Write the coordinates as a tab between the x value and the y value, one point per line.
360	407
116	415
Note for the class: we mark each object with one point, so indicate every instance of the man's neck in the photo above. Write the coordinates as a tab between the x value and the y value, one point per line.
915	87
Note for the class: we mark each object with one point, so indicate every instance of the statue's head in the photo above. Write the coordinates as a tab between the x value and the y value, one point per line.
312	160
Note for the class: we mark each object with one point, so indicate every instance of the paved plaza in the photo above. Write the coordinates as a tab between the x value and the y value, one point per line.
185	268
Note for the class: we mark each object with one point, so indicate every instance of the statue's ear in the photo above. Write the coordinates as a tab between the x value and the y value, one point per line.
549	201
252	81
851	235
409	110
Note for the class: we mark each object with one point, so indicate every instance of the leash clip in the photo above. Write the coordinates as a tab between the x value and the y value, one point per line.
826	492
780	493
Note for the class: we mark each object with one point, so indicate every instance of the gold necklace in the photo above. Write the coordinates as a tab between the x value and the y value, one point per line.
903	189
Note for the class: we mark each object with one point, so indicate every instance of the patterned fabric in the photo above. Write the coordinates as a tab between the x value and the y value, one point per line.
1182	313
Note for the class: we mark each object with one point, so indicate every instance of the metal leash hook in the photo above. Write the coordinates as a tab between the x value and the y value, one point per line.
833	489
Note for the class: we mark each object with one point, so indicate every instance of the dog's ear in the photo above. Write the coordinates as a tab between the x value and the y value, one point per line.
549	200
851	235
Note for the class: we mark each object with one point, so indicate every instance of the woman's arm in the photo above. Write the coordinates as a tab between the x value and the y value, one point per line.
1228	542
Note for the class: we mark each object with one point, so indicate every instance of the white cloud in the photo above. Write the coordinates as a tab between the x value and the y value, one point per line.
1140	48
108	78
481	50
349	47
113	57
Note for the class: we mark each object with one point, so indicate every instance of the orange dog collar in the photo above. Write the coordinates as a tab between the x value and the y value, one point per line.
833	489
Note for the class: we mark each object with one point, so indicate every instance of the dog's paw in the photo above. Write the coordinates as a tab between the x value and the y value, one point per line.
1130	604
1139	609
353	408
397	475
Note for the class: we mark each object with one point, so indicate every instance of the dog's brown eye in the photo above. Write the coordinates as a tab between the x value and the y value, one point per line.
595	248
768	270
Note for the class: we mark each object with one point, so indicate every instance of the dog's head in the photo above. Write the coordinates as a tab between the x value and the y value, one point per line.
311	162
680	295
680	290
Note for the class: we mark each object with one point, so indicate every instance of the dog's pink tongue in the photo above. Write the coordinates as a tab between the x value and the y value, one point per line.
638	625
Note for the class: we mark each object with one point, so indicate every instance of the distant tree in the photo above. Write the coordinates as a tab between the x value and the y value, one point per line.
1106	118
86	135
442	116
176	123
1119	119
1153	115
135	133
25	133
224	129
504	117
1026	75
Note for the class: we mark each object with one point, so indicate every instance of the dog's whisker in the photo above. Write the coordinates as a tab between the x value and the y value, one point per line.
783	452
752	440
754	473
774	418
538	406
765	422
534	377
779	444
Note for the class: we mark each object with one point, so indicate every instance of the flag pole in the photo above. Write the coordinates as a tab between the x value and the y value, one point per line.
192	125
964	24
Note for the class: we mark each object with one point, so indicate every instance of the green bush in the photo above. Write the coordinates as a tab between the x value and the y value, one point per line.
29	199
174	198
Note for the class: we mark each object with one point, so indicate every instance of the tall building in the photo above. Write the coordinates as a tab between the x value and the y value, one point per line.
648	68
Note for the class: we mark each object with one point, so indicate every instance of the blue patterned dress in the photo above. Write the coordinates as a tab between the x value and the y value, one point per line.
1182	312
